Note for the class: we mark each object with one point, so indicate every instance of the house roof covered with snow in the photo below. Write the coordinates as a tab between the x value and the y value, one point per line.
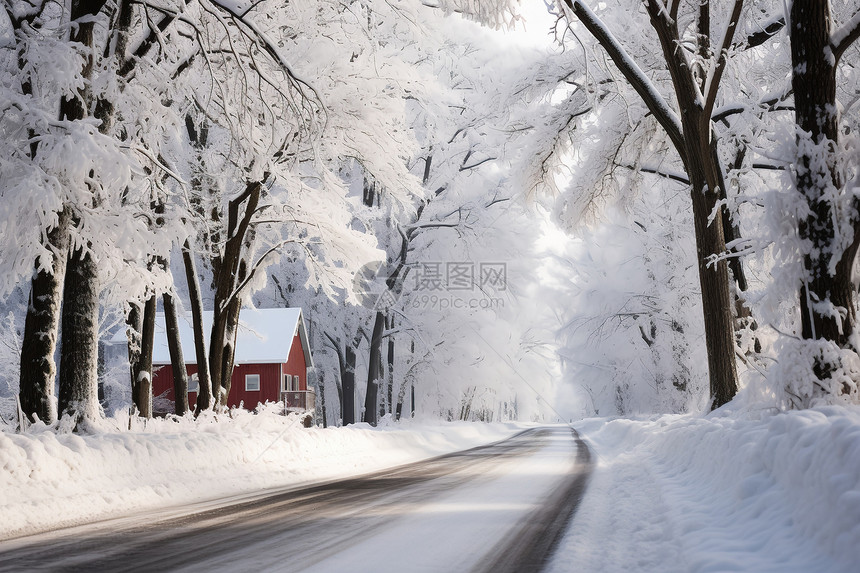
265	336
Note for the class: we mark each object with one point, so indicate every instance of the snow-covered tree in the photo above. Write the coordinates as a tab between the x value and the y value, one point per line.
825	364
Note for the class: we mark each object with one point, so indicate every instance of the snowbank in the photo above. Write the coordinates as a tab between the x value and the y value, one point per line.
50	479
731	493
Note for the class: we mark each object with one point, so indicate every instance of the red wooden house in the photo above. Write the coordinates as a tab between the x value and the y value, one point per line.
271	364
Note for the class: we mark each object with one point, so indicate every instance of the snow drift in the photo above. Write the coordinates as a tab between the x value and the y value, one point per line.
50	479
739	492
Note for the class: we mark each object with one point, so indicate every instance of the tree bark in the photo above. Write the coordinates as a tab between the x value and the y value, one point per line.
227	300
134	334
715	285
204	381
141	328
79	352
177	360
229	355
814	86
38	369
78	395
323	407
348	407
389	374
143	396
704	170
374	371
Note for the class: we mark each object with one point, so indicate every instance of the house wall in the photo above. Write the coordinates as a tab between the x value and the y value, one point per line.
162	384
296	363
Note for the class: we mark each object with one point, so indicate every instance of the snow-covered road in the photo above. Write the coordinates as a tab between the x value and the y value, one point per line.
495	508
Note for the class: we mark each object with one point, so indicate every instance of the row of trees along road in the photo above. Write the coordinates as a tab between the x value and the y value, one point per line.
122	55
696	60
119	157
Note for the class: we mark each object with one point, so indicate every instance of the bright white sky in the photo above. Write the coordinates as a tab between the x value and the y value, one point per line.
535	30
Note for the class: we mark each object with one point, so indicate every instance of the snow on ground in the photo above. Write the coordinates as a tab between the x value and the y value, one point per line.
738	492
50	479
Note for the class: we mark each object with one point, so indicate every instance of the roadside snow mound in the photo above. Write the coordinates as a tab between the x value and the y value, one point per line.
51	478
721	493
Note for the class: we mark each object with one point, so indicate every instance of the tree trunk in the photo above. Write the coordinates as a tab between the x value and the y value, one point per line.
704	170
338	385
229	351
814	85
715	284
177	360
348	405
78	395
323	408
141	328
143	396
204	381
134	333
401	396
38	369
692	140
79	351
341	364
374	371
389	379
228	276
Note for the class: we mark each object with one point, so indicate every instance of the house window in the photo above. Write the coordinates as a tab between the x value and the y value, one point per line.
296	383
252	382
291	383
193	383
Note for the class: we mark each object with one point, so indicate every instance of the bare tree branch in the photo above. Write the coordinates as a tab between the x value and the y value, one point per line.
713	84
845	36
652	98
768	31
655	171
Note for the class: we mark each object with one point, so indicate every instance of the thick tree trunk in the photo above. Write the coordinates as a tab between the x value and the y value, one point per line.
374	371
230	270
38	369
716	288
704	170
814	85
177	360
692	139
229	355
141	337
79	351
78	393
143	380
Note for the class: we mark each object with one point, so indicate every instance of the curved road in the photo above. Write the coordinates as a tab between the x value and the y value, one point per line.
500	508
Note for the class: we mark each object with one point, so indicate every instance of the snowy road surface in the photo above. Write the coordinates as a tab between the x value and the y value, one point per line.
500	507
